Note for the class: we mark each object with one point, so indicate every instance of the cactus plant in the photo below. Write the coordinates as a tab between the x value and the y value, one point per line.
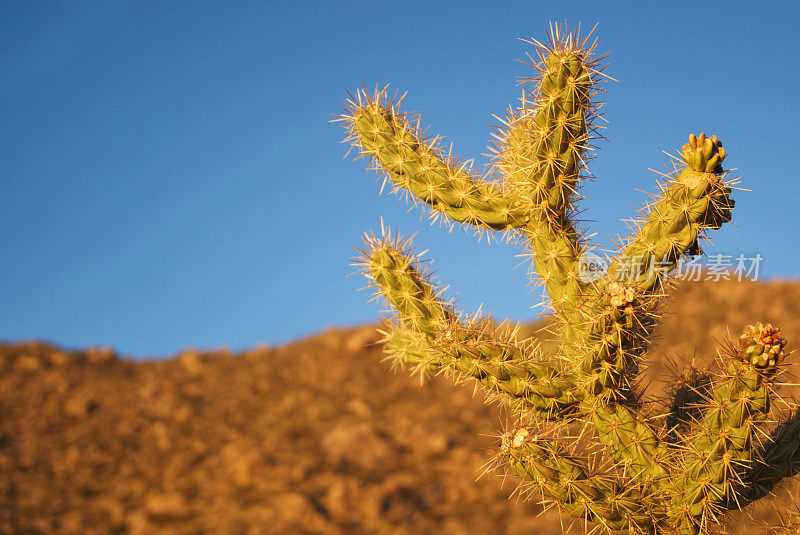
717	448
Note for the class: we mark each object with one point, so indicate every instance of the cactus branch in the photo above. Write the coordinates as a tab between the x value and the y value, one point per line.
542	152
565	479
419	166
432	337
777	458
695	199
687	397
723	445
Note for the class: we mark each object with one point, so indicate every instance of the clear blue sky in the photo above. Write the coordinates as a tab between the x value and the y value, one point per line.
169	177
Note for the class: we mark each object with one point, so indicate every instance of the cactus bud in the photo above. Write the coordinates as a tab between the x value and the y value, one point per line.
620	294
762	346
704	154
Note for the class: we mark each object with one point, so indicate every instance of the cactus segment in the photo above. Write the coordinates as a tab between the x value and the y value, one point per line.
776	459
419	166
687	396
716	447
629	440
690	203
432	338
620	322
724	443
565	479
542	151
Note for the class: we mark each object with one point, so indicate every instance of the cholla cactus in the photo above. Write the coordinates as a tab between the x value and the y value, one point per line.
716	449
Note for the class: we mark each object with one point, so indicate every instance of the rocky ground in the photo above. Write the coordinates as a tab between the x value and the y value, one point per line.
315	437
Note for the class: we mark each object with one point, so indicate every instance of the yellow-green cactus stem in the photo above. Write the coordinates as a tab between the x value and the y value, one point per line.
777	458
419	166
565	479
542	153
433	337
619	324
723	447
688	395
630	441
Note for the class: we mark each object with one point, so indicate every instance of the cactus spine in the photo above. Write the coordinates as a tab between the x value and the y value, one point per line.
718	449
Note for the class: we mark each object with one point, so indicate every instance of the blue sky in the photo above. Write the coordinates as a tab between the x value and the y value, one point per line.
170	178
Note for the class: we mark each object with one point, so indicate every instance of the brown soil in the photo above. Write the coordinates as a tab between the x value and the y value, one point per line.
317	436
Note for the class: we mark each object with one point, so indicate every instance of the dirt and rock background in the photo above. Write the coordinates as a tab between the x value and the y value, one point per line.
318	436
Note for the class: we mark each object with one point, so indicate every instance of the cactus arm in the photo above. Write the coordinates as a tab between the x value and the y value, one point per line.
530	386
556	252
777	459
686	398
621	318
541	152
696	200
723	448
500	366
619	323
411	349
433	338
565	479
418	166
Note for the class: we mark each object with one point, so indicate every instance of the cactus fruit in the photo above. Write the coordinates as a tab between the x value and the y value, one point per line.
717	448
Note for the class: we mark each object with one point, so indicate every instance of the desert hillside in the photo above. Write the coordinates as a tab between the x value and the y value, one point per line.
315	437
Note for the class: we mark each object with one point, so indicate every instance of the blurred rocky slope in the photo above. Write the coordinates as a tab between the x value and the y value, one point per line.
317	436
